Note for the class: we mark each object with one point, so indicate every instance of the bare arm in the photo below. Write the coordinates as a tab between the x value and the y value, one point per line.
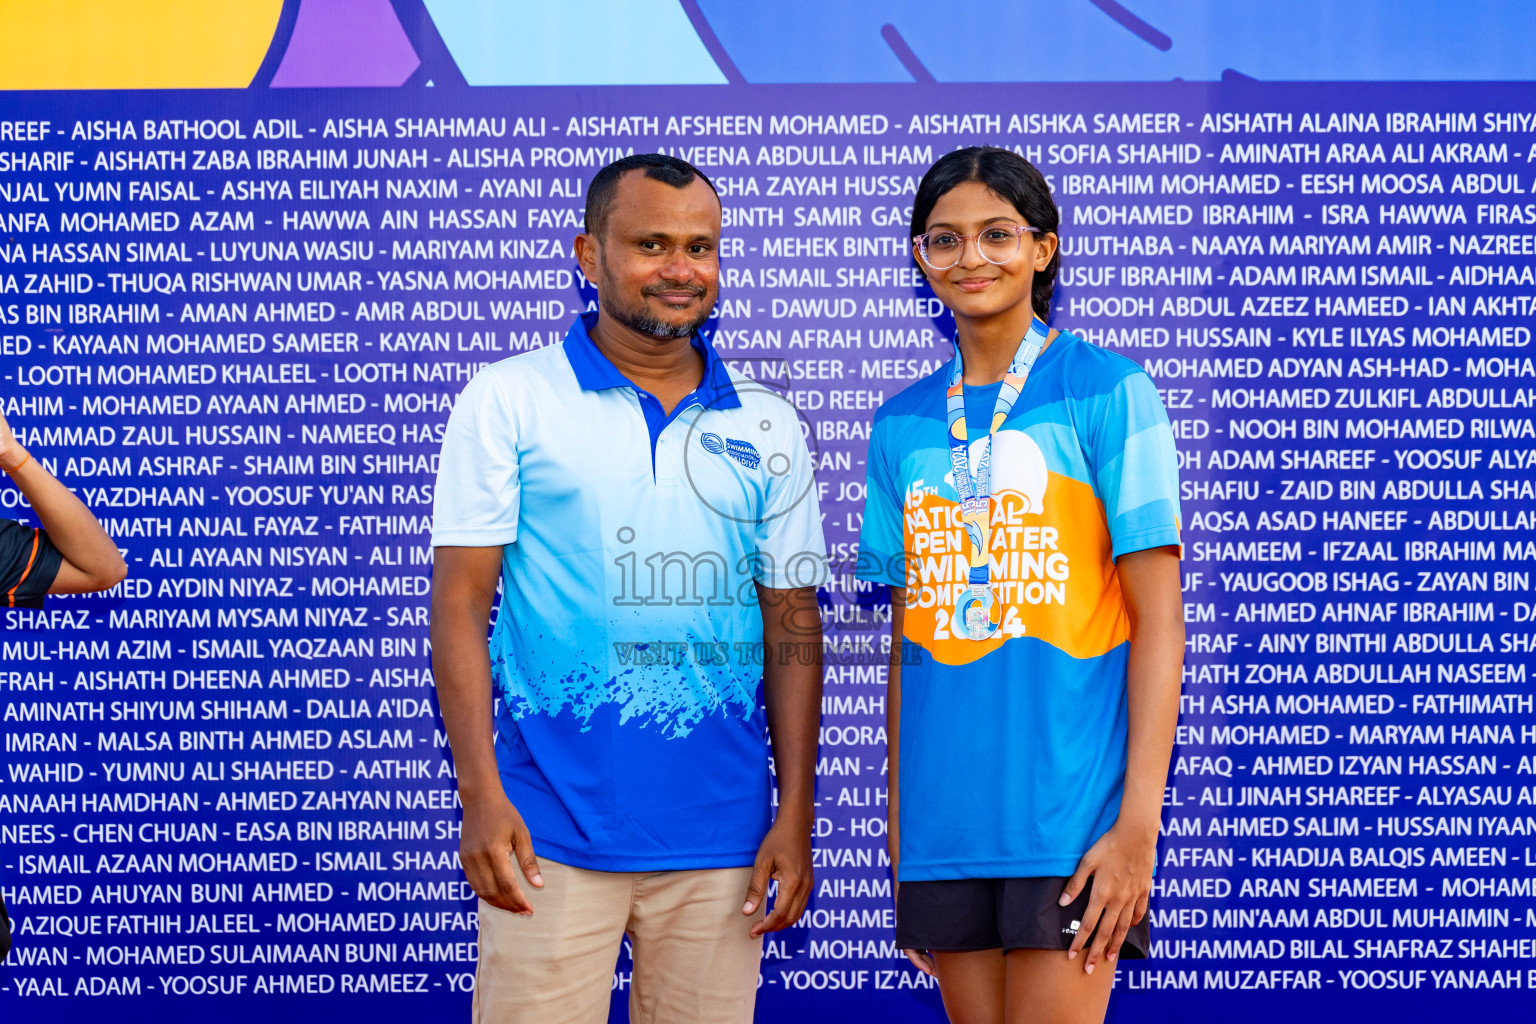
792	693
921	958
91	559
463	589
893	732
1150	582
1121	862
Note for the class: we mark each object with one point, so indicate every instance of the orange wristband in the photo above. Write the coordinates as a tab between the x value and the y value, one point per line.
18	465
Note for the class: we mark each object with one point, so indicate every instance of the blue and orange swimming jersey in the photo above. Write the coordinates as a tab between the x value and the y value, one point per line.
1012	755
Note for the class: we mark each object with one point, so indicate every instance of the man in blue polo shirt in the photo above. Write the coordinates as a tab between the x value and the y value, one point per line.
652	519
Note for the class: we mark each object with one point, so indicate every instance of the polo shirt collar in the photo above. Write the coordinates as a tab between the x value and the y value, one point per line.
594	371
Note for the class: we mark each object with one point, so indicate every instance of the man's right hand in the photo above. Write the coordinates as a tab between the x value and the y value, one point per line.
494	836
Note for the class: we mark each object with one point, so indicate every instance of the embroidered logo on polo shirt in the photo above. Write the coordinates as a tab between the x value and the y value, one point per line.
711	443
742	452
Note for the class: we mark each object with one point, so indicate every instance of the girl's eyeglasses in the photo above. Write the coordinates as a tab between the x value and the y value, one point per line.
997	243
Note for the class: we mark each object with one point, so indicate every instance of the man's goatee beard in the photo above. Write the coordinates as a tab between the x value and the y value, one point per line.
653	327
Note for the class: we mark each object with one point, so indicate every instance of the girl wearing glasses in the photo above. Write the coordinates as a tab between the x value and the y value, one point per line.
1023	509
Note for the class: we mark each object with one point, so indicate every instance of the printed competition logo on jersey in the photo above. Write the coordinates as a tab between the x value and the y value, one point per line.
1048	551
711	443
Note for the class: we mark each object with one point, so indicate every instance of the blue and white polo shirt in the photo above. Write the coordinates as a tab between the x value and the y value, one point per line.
625	659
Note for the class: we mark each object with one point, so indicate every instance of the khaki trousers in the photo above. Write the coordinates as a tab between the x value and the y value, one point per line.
694	962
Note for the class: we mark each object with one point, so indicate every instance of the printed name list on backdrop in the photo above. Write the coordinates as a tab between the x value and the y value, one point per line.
236	325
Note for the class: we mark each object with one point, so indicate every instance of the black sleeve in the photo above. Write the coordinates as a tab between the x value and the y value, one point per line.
28	564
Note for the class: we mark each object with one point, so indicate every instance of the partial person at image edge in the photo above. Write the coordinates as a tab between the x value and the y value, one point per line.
68	554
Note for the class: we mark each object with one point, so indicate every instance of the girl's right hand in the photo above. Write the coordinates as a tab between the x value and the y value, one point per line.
922	960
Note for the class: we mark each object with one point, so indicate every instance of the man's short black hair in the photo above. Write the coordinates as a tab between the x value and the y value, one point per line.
667	169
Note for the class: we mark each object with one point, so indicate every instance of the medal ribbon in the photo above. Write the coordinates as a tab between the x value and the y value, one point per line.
976	494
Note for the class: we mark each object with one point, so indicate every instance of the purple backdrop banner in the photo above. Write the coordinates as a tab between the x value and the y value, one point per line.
236	324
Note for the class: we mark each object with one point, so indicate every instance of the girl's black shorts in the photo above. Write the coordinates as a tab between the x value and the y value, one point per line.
998	913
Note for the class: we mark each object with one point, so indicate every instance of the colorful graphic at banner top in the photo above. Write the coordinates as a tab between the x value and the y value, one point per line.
90	44
346	42
575	42
1139	40
133	44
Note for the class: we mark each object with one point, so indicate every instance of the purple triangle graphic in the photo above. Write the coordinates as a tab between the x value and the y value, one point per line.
346	43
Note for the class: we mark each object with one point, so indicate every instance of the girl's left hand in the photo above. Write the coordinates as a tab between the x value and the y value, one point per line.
1120	864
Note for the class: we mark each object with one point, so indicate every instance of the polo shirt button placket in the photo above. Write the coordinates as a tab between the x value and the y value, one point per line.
667	471
645	403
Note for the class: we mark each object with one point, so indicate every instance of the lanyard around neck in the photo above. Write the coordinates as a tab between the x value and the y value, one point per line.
976	493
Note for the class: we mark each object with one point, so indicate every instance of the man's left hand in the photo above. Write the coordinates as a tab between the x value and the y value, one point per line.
785	856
